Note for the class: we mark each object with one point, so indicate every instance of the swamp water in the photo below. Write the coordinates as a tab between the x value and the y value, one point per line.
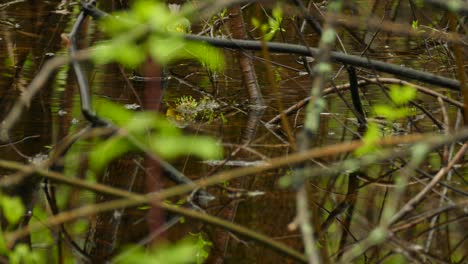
30	34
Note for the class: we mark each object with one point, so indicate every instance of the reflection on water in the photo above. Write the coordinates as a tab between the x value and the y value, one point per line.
30	34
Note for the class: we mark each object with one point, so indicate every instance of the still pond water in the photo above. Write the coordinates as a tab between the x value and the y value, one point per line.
30	34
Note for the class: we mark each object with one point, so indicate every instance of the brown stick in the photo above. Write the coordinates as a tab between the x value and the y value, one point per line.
460	61
249	76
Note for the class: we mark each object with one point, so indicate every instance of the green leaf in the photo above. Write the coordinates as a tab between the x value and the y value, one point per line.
371	136
401	95
146	11
105	152
373	133
143	122
180	253
22	254
209	56
277	13
391	113
150	28
173	146
255	22
128	54
40	215
174	48
113	112
18	254
166	50
13	209
274	25
269	36
147	129
103	53
118	23
203	247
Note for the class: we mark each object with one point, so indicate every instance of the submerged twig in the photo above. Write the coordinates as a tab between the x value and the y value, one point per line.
362	83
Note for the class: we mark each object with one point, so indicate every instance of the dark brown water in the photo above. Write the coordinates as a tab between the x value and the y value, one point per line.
30	35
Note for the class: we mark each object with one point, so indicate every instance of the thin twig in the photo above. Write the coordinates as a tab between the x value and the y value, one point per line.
409	206
132	199
11	3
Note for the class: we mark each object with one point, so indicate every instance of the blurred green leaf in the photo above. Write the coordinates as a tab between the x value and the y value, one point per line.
147	129
372	135
175	48
150	28
113	112
181	252
80	227
166	50
119	22
269	35
21	254
128	54
157	13
210	57
103	53
13	208
277	13
401	95
203	247
106	151
391	113
173	146
41	236
273	24
142	123
255	22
